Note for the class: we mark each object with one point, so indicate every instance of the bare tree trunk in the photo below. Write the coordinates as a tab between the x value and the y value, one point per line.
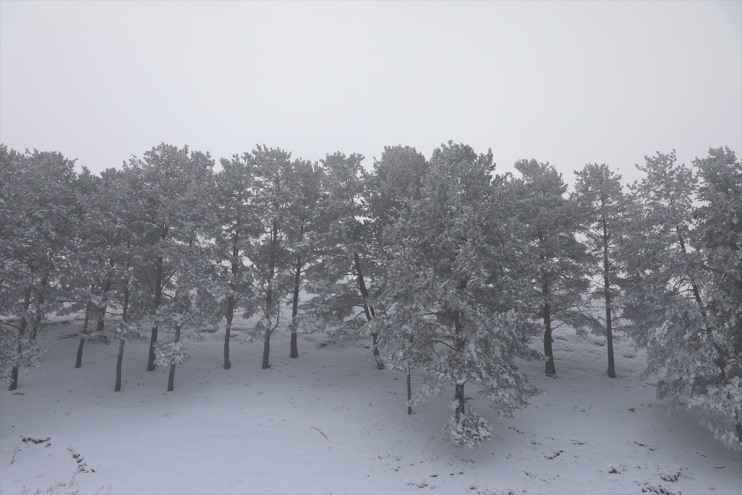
104	305
158	299
231	300
152	345
295	307
269	296
367	309
119	363
459	344
409	390
460	401
84	333
607	294
266	350
39	313
548	351
409	380
228	331
21	334
171	375
122	343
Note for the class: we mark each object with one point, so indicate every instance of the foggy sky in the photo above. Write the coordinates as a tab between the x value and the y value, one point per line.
568	83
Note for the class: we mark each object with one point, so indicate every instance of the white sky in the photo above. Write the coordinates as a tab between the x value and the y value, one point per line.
568	83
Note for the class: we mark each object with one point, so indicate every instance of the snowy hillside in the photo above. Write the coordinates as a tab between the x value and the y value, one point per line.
329	422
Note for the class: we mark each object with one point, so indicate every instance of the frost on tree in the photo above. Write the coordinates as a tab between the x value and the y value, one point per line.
269	253
37	223
448	292
684	284
552	259
191	310
304	187
602	208
343	281
169	187
235	226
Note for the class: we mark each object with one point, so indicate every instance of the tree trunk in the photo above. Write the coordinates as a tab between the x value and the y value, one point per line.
266	349
231	299
609	337
269	297
21	333
119	362
409	390
367	309
460	401
39	314
295	307
122	343
171	375
459	344
158	299
171	378
13	378
152	345
548	351
228	331
104	305
409	380
607	294
83	334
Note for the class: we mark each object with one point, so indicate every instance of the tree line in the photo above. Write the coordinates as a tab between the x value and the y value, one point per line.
450	268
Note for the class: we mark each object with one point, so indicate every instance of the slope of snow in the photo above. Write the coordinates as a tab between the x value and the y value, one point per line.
329	422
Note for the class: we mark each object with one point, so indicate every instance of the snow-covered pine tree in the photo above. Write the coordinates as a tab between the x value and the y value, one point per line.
269	253
87	283
602	209
450	263
342	280
719	237
192	307
235	230
553	260
678	274
38	217
397	179
123	208
169	190
304	188
395	184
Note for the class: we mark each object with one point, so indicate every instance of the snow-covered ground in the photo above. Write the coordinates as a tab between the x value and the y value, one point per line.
329	422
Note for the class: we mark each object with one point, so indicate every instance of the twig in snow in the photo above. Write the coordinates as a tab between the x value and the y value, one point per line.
320	432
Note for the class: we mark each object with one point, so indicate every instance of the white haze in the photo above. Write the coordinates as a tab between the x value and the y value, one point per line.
568	83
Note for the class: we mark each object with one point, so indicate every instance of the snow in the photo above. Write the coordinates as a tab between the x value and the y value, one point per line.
330	422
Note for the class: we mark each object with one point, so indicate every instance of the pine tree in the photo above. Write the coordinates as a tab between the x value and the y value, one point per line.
553	258
88	280
169	187
269	253
602	208
444	283
235	230
395	184
681	267
343	280
128	293
719	237
304	189
190	309
38	213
